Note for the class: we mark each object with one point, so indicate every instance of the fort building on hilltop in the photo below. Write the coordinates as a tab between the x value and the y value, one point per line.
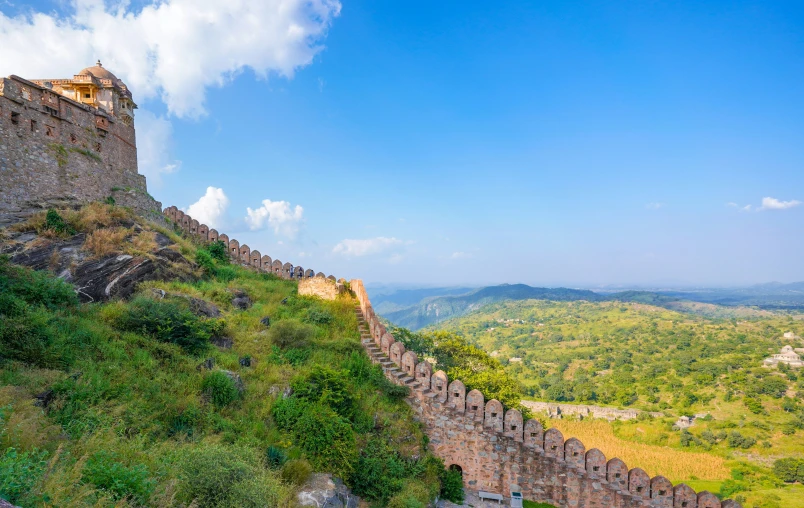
68	141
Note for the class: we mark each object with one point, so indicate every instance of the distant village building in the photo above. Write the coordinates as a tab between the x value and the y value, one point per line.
787	356
791	336
515	359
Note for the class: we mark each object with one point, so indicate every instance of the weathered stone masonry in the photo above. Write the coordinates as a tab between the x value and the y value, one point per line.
59	146
499	452
243	255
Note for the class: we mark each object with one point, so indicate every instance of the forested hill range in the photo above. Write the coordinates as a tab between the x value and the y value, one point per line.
750	418
439	304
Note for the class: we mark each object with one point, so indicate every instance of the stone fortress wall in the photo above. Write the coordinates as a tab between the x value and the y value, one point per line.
54	149
243	255
499	452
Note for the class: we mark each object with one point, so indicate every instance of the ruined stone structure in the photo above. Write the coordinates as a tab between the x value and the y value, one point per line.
554	410
68	141
497	451
243	255
321	287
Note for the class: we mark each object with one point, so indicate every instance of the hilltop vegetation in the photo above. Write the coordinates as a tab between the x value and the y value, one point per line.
222	389
654	359
439	304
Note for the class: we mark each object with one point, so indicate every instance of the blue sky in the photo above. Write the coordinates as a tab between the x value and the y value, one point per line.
551	143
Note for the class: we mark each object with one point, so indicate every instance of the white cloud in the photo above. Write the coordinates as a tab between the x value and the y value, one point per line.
210	209
775	204
654	206
460	255
154	140
732	204
366	247
173	49
746	208
277	215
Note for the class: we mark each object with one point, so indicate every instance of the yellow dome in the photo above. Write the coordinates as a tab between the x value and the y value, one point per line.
99	72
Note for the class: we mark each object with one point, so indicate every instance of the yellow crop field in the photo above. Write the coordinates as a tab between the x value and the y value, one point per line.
674	464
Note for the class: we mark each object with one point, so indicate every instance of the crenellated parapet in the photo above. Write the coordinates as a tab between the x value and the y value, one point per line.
242	254
498	451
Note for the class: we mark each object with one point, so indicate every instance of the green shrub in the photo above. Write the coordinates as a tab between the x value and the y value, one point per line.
327	438
297	472
753	405
452	486
286	411
275	457
318	316
327	386
168	321
209	473
220	389
289	333
34	288
19	472
737	440
379	472
789	470
105	472
413	495
217	250
257	492
55	223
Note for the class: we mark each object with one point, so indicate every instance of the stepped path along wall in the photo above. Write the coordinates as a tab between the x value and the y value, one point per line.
497	451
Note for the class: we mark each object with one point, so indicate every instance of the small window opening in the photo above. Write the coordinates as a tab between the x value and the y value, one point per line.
86	96
494	415
553	447
532	434
684	504
73	139
639	489
33	125
662	492
49	132
617	475
474	408
456	395
15	117
595	468
513	427
574	454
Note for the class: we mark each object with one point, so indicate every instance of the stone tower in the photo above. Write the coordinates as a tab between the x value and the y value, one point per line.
68	141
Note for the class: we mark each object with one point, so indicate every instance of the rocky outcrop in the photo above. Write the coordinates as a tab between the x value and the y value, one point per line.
324	491
100	279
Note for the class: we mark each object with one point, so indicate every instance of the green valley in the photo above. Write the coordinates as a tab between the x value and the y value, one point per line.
666	363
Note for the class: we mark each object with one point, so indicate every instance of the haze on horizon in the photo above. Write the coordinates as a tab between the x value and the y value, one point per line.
452	143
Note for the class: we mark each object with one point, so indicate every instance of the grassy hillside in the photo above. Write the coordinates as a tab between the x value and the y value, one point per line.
130	403
651	358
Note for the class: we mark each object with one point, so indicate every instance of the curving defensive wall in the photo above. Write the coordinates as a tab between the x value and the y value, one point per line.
242	254
496	450
499	452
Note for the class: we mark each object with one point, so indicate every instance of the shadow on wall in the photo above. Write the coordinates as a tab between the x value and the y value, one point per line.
464	427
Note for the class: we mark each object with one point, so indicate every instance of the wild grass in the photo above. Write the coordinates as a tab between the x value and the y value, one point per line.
102	242
130	403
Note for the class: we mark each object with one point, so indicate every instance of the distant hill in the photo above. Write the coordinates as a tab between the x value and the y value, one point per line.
436	309
384	303
403	309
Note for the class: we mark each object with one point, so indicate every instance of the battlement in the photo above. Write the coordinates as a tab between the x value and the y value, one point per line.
68	141
498	451
243	255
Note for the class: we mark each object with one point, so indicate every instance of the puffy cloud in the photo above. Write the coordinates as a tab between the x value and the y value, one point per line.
366	247
173	49
654	206
775	204
460	255
210	209
278	215
154	140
